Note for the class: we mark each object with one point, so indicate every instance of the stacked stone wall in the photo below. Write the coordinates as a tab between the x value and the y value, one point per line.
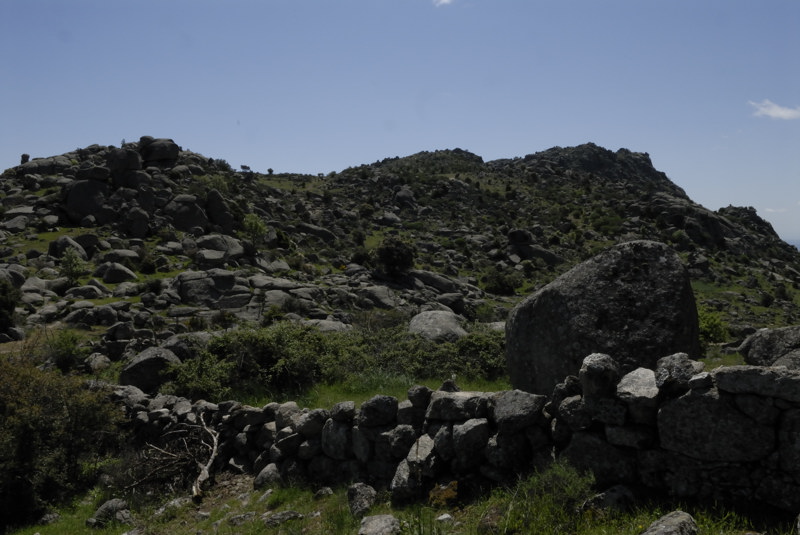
730	435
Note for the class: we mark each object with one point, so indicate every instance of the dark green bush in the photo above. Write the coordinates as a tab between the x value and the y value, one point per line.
395	256
481	354
502	282
203	377
284	357
9	297
360	256
64	349
53	433
712	328
288	358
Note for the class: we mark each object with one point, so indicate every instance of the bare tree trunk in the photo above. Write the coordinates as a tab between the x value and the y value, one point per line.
205	469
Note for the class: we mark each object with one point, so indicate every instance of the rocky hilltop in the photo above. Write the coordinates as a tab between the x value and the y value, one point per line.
570	251
164	235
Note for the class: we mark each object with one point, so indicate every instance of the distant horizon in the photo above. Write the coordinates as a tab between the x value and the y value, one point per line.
708	89
795	241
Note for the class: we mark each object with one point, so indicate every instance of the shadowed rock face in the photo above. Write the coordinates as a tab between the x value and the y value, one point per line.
633	300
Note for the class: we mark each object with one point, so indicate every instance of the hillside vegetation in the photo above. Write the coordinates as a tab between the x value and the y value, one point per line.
108	251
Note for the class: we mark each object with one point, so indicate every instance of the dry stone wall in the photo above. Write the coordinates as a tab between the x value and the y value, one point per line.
731	434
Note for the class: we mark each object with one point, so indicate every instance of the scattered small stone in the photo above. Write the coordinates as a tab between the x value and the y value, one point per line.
323	492
379	525
49	518
114	510
276	519
361	497
172	504
238	520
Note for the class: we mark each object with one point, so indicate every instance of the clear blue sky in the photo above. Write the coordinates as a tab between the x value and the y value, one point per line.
709	88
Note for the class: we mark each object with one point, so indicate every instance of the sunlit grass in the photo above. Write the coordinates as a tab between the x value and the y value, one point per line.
359	389
548	501
716	358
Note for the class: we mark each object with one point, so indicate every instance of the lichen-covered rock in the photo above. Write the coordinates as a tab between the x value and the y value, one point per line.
674	523
421	456
639	392
379	525
707	426
59	246
455	406
515	410
377	411
674	372
632	301
406	484
269	475
146	369
337	439
437	325
114	273
309	424
360	497
599	375
113	510
766	346
773	382
469	441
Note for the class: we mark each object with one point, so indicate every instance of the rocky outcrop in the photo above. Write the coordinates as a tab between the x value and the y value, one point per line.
633	301
159	152
773	347
181	211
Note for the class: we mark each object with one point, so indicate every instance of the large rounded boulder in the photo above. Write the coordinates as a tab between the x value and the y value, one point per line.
147	369
632	301
160	152
437	325
773	347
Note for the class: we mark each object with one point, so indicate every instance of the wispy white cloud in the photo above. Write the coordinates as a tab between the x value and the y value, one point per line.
776	210
438	3
767	108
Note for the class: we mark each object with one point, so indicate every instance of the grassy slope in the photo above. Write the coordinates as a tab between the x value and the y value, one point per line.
544	503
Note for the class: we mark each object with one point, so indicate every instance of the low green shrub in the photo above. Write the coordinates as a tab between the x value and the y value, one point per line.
64	349
712	329
9	297
289	358
72	266
502	282
395	256
204	376
284	357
